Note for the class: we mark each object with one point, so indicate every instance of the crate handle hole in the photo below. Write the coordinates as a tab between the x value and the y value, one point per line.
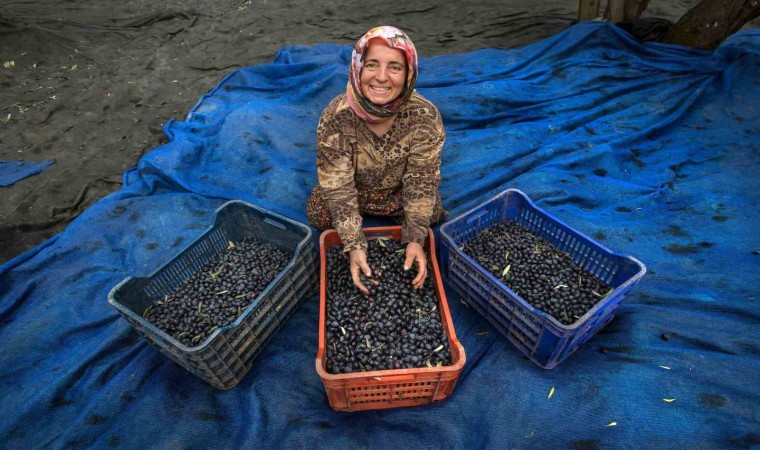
396	378
377	234
275	223
477	215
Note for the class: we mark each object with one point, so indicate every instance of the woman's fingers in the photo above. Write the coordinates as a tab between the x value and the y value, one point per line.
416	254
361	286
357	281
358	265
419	280
365	268
409	260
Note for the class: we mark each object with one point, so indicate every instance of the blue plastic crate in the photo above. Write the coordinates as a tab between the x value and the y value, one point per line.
226	355
545	340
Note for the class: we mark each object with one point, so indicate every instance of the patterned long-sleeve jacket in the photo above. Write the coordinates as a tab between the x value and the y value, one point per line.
407	157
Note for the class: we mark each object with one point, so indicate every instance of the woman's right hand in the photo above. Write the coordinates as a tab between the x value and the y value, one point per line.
358	265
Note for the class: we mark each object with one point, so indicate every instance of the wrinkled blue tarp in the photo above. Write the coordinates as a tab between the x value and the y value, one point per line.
651	149
13	171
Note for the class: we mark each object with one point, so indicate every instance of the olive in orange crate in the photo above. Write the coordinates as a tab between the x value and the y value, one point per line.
392	348
395	326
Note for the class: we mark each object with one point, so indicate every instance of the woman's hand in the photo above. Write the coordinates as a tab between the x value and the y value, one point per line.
415	253
358	266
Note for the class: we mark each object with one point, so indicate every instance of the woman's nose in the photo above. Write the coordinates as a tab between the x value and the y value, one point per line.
382	74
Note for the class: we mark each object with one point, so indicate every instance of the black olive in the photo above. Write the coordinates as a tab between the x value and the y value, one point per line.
216	295
395	326
543	276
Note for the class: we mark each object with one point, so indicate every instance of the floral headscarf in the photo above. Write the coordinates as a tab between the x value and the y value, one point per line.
394	38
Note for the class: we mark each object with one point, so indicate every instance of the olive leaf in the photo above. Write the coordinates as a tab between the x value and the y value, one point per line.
551	392
506	270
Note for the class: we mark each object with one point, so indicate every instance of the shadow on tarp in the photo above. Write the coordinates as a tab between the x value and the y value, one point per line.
650	149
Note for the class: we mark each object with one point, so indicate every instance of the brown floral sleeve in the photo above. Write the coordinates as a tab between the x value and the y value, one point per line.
335	174
420	181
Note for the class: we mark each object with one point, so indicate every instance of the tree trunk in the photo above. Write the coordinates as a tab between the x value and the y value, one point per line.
708	23
634	8
624	11
588	10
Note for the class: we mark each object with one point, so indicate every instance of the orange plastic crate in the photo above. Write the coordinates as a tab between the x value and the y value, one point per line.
381	389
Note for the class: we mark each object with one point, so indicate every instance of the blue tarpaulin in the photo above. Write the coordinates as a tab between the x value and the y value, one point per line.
13	171
650	149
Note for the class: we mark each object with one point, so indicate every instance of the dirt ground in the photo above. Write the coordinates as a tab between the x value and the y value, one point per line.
92	82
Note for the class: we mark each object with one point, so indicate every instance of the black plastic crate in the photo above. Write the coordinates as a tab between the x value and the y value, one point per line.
226	355
545	340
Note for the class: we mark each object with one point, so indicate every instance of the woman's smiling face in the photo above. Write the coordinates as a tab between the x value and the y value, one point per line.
383	73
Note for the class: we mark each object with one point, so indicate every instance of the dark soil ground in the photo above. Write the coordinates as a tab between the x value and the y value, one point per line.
93	82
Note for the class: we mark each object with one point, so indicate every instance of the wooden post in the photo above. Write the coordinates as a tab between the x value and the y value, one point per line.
633	9
588	10
615	11
708	23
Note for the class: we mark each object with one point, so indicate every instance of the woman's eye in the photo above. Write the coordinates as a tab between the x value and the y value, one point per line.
396	69
370	66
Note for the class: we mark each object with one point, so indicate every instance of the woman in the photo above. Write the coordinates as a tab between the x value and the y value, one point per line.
379	147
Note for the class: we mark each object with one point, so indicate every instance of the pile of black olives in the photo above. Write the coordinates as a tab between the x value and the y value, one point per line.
543	276
394	327
217	294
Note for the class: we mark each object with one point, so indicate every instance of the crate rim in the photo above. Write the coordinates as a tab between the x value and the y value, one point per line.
578	323
203	344
379	375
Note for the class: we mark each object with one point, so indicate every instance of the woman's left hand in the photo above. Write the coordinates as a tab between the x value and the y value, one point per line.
415	253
